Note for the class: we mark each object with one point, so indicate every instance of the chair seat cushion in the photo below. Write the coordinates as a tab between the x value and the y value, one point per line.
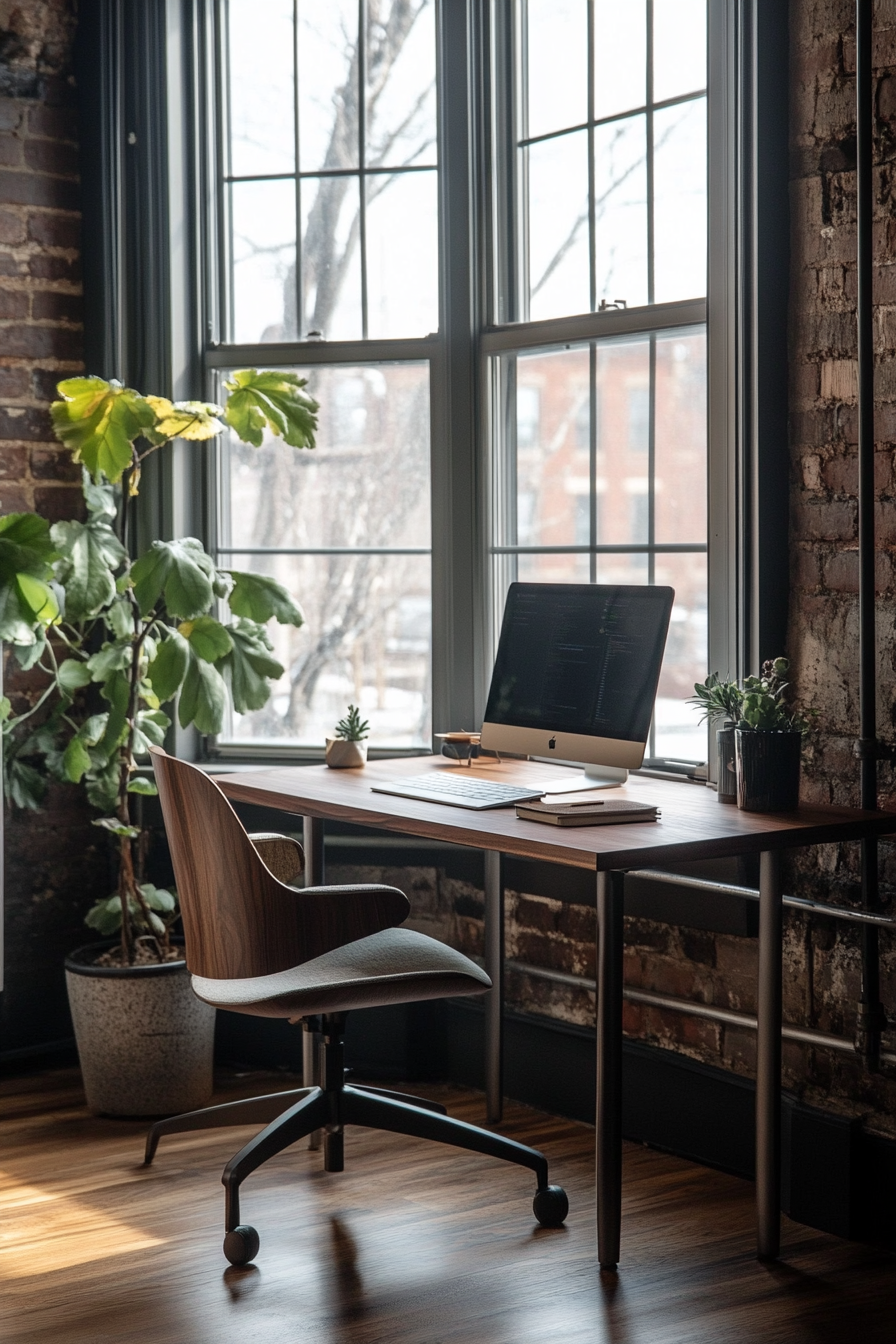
393	966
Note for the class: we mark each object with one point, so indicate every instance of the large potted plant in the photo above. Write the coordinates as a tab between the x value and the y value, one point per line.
118	639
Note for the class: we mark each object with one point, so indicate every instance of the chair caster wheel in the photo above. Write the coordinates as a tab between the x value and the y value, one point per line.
550	1205
241	1245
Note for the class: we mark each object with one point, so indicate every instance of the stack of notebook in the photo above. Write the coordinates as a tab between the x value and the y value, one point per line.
591	812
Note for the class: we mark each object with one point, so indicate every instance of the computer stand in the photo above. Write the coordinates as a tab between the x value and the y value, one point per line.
580	781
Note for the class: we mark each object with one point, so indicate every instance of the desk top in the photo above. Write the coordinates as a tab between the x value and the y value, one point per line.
693	825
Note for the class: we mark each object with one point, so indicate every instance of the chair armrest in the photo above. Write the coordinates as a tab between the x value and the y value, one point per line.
281	855
330	917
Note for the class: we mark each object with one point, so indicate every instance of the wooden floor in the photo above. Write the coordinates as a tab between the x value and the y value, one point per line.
412	1244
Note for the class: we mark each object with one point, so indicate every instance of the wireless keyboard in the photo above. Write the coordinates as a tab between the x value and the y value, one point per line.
457	790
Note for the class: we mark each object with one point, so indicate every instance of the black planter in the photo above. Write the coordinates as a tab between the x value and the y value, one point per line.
727	769
768	770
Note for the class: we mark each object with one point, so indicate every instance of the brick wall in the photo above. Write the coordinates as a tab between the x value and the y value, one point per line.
51	863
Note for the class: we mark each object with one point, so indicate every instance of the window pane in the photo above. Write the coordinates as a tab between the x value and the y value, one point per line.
620	188
681	437
679	47
264	261
557	65
620	56
365	484
331	259
402	255
262	137
622	568
328	84
678	733
680	201
623	381
553	568
401	85
558	226
365	641
553	463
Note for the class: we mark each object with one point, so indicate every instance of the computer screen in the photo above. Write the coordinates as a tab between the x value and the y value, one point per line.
576	674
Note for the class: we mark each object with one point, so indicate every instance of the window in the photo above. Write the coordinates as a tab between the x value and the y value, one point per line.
499	299
599	138
329	221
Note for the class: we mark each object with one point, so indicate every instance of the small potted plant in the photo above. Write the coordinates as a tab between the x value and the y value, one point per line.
768	743
721	703
114	641
348	749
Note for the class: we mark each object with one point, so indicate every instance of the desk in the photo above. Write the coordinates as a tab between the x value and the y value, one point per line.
693	826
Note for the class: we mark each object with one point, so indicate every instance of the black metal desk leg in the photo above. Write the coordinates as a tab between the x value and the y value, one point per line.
313	844
609	1068
768	1060
494	1000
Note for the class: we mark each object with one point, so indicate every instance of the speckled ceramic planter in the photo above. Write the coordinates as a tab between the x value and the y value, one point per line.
144	1039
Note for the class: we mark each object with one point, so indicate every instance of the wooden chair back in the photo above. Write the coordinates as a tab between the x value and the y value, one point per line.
239	920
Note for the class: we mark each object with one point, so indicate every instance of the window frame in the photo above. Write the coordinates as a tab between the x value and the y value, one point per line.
149	156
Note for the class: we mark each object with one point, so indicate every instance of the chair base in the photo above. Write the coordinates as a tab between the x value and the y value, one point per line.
291	1116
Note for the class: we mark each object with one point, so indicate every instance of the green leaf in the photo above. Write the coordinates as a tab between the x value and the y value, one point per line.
72	673
105	916
203	698
28	654
261	598
116	689
76	761
169	667
207	638
92	729
37	599
271	399
25	786
250	667
110	658
157	898
102	785
179	570
98	421
99	496
5	708
195	420
91	553
140	785
120	618
149	730
116	827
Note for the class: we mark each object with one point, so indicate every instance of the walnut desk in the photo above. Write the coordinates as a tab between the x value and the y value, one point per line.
693	826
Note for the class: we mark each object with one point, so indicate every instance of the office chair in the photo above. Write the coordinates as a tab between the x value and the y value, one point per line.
256	945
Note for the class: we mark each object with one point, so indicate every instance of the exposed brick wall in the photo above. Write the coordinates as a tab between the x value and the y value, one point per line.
52	865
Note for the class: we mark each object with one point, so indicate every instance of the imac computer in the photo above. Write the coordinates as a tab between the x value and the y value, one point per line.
575	677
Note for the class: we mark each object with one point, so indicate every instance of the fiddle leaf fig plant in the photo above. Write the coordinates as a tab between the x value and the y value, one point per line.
126	642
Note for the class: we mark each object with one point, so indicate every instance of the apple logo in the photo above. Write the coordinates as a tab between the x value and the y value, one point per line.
552	744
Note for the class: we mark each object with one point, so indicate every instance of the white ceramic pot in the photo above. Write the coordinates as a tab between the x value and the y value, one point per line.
342	755
145	1042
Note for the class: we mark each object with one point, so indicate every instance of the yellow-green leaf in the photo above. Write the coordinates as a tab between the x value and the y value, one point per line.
196	420
98	422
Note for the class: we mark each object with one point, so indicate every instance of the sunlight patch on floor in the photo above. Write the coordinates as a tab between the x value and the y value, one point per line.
42	1231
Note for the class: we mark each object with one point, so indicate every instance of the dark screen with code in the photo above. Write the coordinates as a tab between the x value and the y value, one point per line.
580	658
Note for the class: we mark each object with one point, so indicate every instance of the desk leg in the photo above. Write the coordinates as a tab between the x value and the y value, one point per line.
494	1000
313	838
768	1060
608	1136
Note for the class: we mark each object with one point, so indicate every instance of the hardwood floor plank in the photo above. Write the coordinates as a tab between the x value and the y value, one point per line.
412	1244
